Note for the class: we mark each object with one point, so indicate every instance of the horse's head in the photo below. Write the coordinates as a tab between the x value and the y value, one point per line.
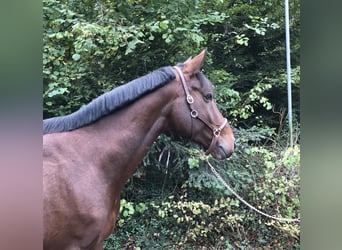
195	114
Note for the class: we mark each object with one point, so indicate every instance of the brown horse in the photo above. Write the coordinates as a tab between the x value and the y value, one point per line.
90	154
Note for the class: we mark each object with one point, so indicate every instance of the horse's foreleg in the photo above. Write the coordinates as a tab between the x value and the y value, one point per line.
109	227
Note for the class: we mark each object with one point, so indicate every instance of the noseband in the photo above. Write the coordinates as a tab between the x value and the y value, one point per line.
195	115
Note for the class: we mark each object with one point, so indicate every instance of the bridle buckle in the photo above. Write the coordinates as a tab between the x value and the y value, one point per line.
189	99
194	113
217	132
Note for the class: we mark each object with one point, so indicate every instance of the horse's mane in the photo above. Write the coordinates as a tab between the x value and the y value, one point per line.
110	101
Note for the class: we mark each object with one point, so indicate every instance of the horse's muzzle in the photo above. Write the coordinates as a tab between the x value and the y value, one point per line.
223	149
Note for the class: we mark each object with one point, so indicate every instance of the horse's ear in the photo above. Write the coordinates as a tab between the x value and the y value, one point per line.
193	66
189	59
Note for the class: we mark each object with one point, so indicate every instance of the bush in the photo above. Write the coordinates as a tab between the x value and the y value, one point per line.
192	209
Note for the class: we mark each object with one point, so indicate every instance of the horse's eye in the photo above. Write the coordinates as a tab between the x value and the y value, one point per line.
208	97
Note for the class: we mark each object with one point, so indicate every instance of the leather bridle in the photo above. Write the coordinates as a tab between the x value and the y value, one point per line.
196	115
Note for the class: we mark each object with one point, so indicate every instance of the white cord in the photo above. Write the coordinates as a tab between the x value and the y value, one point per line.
245	202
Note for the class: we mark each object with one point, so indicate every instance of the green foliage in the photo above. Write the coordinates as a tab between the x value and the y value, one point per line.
173	201
95	46
185	205
199	211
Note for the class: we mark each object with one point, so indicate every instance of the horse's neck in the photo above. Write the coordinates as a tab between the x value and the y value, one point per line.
124	137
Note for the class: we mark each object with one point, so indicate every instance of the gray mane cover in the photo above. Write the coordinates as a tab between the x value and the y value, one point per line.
110	101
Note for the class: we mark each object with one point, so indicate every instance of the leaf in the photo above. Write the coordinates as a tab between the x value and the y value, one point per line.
132	45
164	24
196	211
193	163
58	91
76	57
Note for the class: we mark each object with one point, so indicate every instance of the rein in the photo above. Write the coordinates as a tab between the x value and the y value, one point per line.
196	115
219	177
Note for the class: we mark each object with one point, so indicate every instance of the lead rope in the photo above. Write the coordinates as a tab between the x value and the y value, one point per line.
245	202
